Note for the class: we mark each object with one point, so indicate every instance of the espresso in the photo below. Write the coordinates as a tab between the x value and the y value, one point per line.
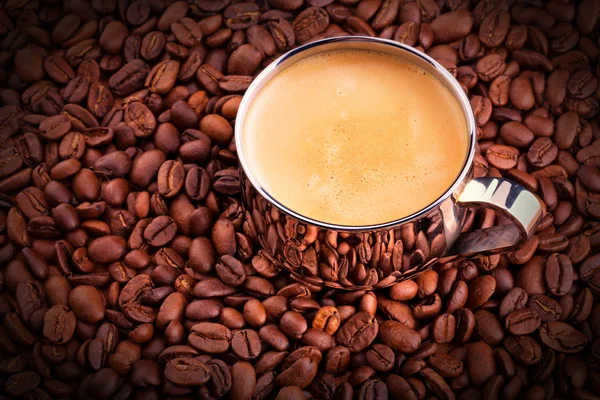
353	137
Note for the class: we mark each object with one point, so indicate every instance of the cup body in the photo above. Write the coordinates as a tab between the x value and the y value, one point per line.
353	257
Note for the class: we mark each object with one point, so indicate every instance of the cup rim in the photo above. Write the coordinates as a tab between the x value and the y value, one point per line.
271	70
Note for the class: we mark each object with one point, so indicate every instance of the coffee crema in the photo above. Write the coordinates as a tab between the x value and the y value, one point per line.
355	137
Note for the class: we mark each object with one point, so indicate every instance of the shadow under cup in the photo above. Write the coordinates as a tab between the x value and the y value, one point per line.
378	255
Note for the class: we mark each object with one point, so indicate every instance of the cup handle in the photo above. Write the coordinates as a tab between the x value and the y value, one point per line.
524	208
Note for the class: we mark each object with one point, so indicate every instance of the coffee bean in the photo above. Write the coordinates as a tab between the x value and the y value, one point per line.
530	277
59	324
107	249
542	152
443	328
399	337
465	324
522	321
309	23
524	348
552	242
480	362
86	303
187	372
516	134
488	327
502	157
359	331
480	290
582	84
327	319
490	67
547	308
446	365
22	383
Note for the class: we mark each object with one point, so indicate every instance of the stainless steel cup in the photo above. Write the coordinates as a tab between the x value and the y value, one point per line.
375	256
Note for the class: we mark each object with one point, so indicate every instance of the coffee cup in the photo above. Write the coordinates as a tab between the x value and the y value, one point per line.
379	249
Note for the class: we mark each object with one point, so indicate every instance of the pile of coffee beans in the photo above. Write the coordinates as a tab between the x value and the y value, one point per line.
128	269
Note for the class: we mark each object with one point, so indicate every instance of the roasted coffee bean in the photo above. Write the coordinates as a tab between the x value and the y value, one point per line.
309	23
522	321
358	332
524	348
399	337
547	308
59	324
22	383
187	372
380	357
502	157
562	337
480	362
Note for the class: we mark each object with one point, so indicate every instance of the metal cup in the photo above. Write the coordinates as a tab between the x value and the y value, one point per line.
375	256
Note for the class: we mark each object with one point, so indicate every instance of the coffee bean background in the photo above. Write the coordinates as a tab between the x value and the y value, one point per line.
129	269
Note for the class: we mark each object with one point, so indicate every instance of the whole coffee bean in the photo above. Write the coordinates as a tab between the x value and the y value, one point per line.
244	60
522	321
489	67
144	373
187	372
446	365
246	344
396	311
542	152
86	303
243	380
327	319
451	26
516	134
494	28
300	373
359	331
380	357
309	23
104	382
521	93
293	324
480	290
403	291
443	328
399	337
152	45
160	231
107	249
488	327
582	84
22	383
129	78
224	237
552	242
547	308
480	362
59	324
524	348
562	337
530	278
502	157
231	271
162	77
465	324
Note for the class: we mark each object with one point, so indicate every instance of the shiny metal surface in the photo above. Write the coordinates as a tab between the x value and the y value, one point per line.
373	256
522	206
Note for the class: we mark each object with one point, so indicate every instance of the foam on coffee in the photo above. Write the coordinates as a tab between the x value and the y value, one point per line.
355	137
